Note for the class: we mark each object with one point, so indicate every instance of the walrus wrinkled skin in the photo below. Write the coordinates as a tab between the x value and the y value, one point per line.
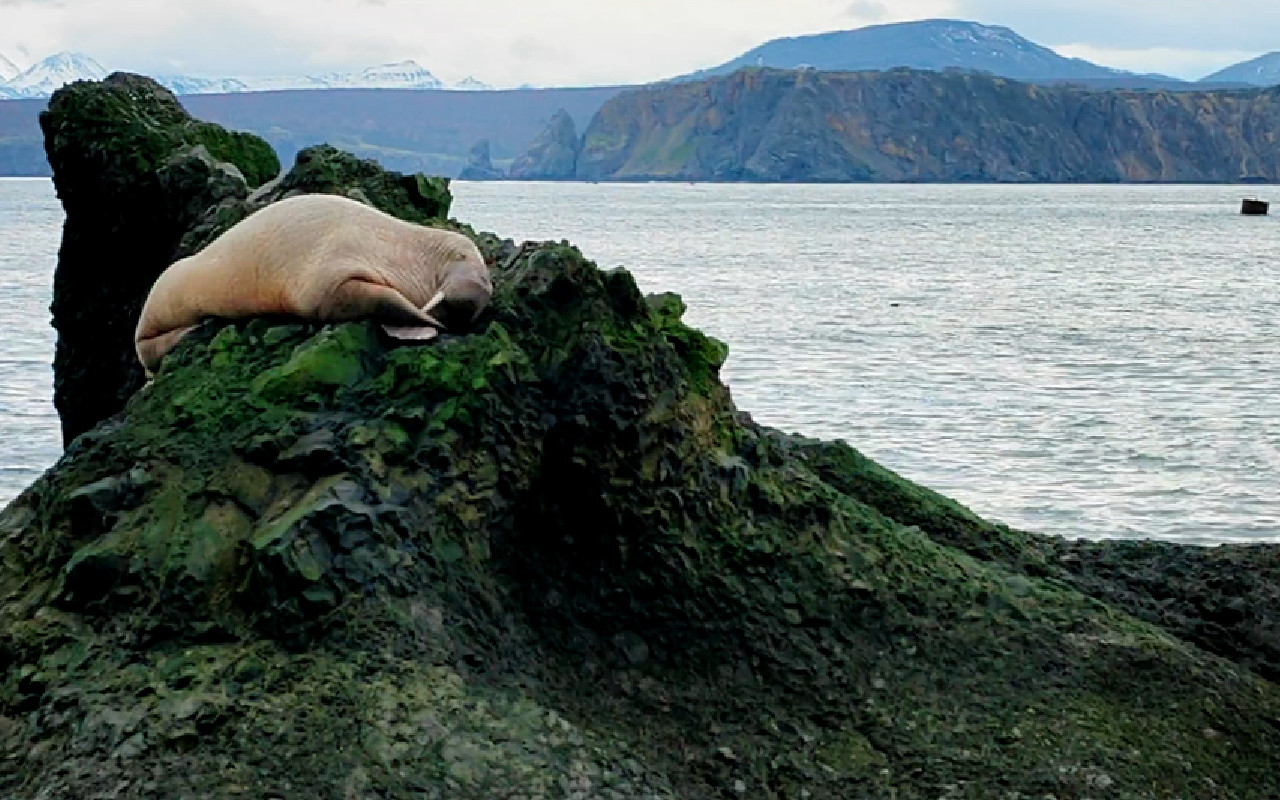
322	258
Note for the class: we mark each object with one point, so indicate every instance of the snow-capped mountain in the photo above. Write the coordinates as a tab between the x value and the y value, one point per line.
54	72
400	75
470	84
272	83
7	69
182	84
936	44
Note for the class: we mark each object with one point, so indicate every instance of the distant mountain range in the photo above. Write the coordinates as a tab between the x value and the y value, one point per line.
43	78
936	45
431	130
940	44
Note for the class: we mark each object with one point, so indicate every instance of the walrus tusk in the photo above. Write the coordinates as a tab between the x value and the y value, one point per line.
419	333
433	302
411	333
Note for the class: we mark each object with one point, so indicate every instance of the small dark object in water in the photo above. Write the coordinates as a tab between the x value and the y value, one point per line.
1255	208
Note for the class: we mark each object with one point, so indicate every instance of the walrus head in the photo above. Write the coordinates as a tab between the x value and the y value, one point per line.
462	296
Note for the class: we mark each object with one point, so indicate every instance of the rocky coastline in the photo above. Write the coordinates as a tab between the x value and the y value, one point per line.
549	558
912	126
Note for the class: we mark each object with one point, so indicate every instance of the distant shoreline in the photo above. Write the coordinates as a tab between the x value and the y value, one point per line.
676	181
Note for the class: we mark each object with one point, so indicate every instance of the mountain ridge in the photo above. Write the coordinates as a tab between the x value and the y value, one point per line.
935	44
930	44
50	74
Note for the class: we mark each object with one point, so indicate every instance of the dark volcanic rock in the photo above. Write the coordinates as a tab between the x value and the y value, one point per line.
774	125
551	559
326	170
553	156
133	170
480	165
144	184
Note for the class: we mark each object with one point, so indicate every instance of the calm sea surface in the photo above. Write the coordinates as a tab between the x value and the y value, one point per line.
1086	361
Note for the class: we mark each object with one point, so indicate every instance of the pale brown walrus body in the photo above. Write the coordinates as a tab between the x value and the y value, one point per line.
322	258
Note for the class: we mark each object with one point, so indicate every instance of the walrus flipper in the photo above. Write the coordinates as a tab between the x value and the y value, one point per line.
152	349
401	319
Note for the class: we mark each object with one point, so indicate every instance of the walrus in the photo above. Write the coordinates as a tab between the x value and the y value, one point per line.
322	258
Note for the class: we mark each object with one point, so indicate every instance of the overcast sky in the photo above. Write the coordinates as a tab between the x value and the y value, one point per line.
579	42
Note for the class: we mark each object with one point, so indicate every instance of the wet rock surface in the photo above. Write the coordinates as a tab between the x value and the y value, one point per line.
550	558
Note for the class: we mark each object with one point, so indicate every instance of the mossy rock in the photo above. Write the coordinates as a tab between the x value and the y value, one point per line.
551	558
134	172
143	184
552	554
325	169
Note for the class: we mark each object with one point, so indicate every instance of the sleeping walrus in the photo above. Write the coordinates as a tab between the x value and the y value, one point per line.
323	258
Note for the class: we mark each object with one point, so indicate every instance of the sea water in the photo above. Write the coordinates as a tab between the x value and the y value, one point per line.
1094	361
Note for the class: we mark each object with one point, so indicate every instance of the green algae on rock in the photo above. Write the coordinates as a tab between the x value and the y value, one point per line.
549	553
550	558
143	184
131	168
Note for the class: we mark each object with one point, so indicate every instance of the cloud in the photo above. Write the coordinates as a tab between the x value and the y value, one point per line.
583	42
529	49
867	11
504	42
1185	25
1186	64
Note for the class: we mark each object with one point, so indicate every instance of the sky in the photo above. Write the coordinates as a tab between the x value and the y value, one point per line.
591	42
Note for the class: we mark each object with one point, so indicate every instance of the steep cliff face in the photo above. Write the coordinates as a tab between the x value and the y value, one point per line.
553	156
771	125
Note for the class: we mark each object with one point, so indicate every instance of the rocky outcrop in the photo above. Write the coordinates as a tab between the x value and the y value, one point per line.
553	156
143	184
132	170
551	558
326	170
774	125
480	165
